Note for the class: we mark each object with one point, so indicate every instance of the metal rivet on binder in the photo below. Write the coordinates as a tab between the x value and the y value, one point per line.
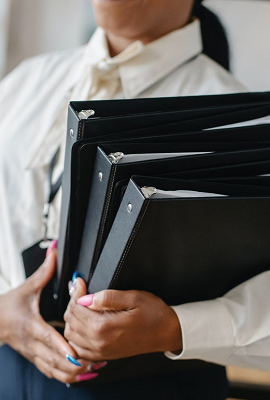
71	132
130	207
100	176
85	114
116	157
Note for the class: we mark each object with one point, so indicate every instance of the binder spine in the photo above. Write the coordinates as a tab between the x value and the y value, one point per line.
129	242
122	234
64	267
72	133
103	220
96	210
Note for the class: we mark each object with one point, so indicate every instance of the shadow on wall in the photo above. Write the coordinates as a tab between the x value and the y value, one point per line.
36	27
3	34
247	23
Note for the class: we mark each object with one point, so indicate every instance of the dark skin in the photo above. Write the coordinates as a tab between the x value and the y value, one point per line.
23	328
119	324
125	21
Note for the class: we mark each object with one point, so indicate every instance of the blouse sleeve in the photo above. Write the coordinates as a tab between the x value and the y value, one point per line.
10	100
232	330
4	285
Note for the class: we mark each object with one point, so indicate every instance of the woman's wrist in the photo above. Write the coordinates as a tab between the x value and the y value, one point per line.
173	333
3	319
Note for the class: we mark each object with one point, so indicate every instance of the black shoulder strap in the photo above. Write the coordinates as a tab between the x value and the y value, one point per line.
53	190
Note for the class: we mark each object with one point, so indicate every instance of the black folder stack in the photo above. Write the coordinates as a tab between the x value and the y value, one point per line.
169	195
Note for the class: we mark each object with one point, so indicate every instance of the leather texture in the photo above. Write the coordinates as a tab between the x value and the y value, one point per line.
118	120
185	250
101	192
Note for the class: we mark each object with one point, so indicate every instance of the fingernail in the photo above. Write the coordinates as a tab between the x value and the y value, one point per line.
96	366
52	246
73	360
71	286
72	283
86	300
86	377
76	275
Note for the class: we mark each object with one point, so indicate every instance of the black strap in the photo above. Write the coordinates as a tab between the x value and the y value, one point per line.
56	186
53	190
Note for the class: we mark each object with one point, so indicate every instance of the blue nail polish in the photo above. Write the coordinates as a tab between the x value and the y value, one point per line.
73	360
76	275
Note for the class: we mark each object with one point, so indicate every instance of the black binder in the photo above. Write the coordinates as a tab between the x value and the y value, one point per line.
163	120
185	249
144	250
110	168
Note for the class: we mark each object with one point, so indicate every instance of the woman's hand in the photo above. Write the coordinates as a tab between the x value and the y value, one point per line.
118	324
23	328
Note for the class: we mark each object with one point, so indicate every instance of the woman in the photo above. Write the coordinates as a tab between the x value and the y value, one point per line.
145	49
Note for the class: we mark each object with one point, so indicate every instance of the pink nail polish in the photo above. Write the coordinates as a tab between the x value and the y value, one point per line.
97	366
86	300
52	246
86	377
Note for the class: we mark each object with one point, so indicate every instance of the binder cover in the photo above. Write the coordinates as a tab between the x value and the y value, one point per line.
185	249
109	170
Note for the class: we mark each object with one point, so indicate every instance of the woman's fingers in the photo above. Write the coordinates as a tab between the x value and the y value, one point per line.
86	353
106	300
46	334
54	365
120	324
59	356
60	375
57	361
27	332
57	367
53	349
114	300
77	287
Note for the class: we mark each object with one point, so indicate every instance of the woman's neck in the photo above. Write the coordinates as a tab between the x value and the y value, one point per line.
118	43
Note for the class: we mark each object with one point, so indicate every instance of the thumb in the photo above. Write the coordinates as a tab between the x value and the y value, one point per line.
79	289
111	300
44	273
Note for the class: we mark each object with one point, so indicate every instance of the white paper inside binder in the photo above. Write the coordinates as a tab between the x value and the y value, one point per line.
161	194
129	158
257	121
